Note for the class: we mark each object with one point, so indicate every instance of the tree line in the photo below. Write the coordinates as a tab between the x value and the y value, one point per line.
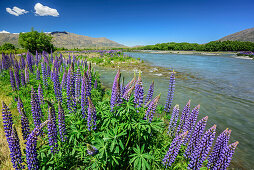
211	46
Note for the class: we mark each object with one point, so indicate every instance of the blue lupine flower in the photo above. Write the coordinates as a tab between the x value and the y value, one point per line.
173	120
151	108
150	93
202	149
173	149
171	90
184	118
139	92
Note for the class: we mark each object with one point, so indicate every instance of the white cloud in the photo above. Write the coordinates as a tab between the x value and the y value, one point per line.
16	11
42	10
5	32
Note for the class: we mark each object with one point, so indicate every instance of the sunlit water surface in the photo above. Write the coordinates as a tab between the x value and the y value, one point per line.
222	85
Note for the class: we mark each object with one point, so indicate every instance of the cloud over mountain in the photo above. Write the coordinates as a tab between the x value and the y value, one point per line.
42	10
16	11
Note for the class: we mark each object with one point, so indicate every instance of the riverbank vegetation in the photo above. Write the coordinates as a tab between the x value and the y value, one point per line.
69	121
211	46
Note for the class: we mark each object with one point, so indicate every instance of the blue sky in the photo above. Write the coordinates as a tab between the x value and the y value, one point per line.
131	22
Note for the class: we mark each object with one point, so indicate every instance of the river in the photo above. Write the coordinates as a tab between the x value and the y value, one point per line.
222	85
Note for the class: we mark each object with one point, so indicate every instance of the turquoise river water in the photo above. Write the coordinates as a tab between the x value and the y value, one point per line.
222	85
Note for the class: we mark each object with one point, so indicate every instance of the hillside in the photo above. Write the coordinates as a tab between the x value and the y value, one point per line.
245	35
66	40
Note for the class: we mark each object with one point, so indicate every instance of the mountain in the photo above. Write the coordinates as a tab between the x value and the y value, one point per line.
66	40
245	35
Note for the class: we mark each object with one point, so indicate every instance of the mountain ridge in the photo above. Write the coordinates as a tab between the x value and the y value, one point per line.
244	35
66	40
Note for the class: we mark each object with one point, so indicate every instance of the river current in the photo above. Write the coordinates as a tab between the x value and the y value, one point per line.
223	86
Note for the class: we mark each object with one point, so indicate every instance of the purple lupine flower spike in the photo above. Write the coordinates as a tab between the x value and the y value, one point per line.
13	85
35	108
44	74
191	121
133	81
15	150
173	120
83	95
55	78
38	74
31	147
115	95
26	75
196	137
77	85
22	78
61	122
217	152
127	93
150	93
226	157
63	84
89	83
24	120
40	95
173	150
202	149
151	108
139	92
52	130
171	90
7	121
68	88
184	118
17	79
91	115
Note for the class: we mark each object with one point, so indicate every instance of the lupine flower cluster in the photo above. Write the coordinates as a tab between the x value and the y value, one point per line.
52	129
15	150
151	108
184	118
171	90
24	120
202	149
35	107
115	96
31	147
149	94
139	92
173	120
173	149
91	115
12	138
12	80
40	95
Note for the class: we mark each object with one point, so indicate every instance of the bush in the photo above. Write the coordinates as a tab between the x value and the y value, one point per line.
7	46
35	41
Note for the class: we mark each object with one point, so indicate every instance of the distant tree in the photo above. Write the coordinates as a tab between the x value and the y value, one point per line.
35	41
7	46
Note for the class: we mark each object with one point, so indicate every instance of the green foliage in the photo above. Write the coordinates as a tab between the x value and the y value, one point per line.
211	46
8	46
35	41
